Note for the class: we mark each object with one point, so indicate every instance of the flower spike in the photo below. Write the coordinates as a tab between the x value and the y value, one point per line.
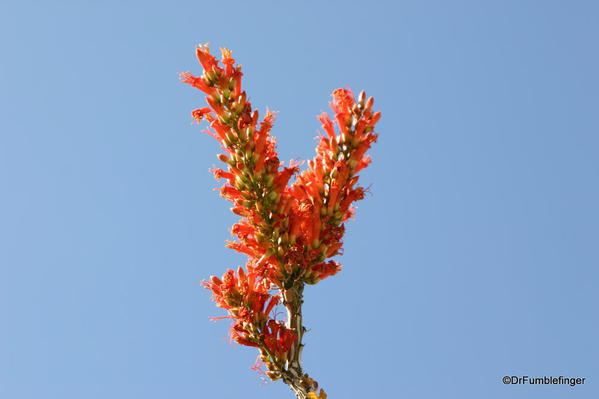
290	228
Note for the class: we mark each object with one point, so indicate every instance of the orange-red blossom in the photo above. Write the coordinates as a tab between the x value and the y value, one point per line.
288	230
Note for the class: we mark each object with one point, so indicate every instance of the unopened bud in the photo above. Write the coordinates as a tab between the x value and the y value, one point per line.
239	183
223	119
223	158
362	98
240	273
269	180
209	77
273	196
230	137
376	117
369	103
238	211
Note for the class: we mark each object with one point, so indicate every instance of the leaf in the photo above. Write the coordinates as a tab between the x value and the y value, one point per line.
312	395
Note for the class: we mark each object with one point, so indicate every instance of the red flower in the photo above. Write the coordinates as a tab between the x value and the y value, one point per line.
196	82
278	338
198	114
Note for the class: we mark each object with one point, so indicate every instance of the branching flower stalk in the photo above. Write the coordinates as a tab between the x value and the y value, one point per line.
288	230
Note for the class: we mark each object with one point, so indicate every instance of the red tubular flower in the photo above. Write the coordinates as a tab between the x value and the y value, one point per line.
321	271
327	125
278	338
196	82
198	114
208	61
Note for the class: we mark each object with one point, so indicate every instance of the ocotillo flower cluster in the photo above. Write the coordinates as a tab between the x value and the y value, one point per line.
289	231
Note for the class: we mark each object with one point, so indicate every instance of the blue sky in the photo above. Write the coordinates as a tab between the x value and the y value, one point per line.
474	257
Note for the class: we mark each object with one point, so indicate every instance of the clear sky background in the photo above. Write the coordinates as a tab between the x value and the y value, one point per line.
475	257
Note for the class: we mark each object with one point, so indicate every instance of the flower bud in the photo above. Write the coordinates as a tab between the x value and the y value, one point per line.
369	103
230	137
241	273
223	158
269	180
376	117
362	98
273	196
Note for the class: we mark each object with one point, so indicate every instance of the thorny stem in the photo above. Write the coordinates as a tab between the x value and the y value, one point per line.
301	384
